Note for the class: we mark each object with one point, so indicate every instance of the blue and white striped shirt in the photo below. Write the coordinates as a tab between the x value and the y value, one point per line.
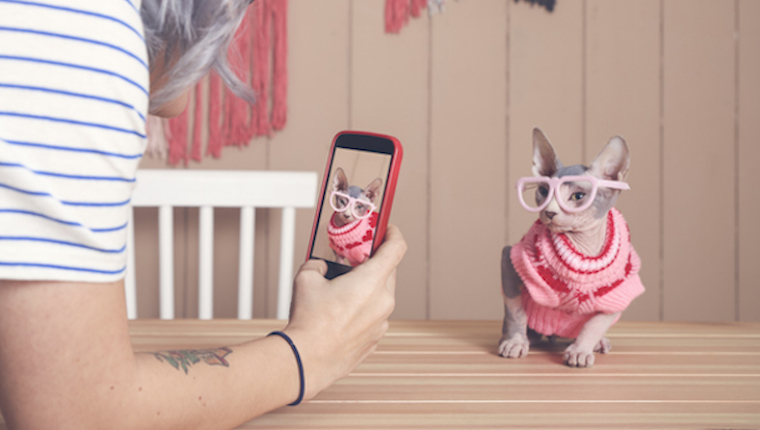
74	83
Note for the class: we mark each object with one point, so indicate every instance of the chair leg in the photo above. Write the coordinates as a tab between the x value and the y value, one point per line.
285	280
206	264
245	275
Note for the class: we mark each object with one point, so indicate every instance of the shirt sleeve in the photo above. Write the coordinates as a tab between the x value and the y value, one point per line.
74	86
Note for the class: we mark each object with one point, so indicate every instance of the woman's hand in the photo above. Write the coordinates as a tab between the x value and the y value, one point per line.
337	323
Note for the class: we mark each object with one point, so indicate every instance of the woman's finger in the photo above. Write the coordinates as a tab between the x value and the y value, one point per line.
314	265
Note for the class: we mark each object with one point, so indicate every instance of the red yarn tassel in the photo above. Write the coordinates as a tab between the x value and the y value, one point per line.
396	15
260	112
280	78
229	103
215	137
197	123
263	34
237	108
255	18
417	6
178	138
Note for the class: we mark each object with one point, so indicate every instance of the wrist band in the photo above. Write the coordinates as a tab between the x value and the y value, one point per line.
298	360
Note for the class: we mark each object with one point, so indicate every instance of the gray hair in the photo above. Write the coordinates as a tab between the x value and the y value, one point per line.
192	37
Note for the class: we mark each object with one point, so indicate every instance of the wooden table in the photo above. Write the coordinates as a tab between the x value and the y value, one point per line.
446	374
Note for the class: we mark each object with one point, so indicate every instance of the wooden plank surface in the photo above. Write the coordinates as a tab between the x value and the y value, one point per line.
446	374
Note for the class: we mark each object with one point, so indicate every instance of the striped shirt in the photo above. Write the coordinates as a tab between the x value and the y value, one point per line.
74	83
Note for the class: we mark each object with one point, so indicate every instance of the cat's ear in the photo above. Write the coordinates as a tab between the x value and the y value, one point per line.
613	161
372	190
545	161
340	183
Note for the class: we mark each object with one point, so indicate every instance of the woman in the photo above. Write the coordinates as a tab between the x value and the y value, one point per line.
76	84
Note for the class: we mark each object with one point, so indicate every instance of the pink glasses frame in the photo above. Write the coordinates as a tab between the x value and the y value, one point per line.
554	184
351	204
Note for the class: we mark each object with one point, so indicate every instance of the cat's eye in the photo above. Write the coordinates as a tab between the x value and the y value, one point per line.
340	202
542	191
576	197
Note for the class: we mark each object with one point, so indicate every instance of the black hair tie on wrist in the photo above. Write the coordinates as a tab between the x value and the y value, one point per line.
298	360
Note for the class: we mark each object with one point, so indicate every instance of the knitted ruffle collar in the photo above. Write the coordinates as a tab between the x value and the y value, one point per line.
557	275
334	230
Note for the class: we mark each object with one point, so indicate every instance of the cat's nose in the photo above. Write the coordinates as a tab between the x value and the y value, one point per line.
550	214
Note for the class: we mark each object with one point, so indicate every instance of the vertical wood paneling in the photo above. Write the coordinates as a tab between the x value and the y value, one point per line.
318	79
623	98
462	91
545	91
146	262
389	94
226	237
226	264
249	157
699	164
467	224
748	156
191	260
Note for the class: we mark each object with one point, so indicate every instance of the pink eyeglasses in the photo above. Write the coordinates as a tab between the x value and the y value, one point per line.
574	193
360	209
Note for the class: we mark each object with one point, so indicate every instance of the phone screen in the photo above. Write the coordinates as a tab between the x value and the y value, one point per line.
352	201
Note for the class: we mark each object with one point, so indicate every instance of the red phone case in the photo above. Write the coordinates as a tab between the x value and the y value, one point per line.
390	188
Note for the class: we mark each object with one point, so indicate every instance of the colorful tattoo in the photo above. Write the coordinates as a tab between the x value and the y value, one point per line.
186	358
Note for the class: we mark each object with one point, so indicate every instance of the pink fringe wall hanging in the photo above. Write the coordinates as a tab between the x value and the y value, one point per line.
231	121
397	12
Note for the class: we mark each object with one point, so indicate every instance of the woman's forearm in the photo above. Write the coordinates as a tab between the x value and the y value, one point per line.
66	361
211	388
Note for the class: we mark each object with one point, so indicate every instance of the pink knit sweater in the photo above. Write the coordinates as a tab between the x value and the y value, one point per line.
564	288
353	241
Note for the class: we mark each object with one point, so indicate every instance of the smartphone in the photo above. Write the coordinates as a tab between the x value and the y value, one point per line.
356	199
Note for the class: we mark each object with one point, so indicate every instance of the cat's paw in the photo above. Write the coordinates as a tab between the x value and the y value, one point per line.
516	346
604	346
578	356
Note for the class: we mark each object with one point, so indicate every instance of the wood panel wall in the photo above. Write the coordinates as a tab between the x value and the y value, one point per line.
678	79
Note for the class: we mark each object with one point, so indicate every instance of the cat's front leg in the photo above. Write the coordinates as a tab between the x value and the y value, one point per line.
591	338
514	341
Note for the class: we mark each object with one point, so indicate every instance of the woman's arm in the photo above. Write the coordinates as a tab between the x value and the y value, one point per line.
66	358
67	362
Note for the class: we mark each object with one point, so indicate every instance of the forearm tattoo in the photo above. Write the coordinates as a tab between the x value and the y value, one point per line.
186	358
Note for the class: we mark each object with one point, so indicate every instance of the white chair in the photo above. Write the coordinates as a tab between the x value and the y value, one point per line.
207	189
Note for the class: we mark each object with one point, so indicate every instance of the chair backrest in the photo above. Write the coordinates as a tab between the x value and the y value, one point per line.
207	189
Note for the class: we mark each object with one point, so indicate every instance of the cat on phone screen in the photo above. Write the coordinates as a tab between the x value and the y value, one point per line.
575	270
351	229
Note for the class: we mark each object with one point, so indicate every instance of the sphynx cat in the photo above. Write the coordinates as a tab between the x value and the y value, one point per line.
575	271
